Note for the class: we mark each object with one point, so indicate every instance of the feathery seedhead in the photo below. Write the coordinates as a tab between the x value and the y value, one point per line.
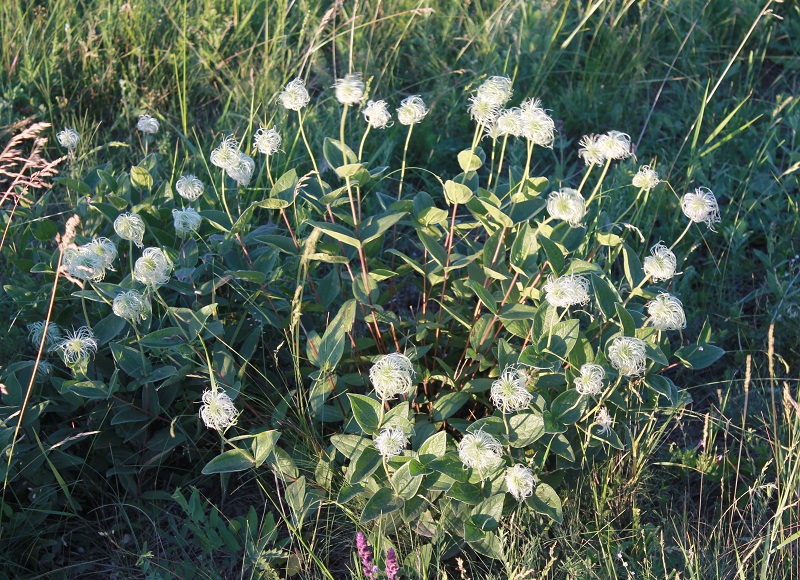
36	330
615	145
537	126
129	226
627	354
509	392
350	89
591	152
76	345
69	139
242	170
567	204
147	124
377	114
520	481
131	306
392	375
267	141
646	178
666	312
604	421
566	291
190	187
496	91
226	154
412	110
218	411
186	221
391	441
661	263
153	268
590	381
701	206
294	96
479	450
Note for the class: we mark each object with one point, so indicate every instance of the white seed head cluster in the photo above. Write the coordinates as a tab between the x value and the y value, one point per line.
627	355
566	291
520	481
147	124
377	114
496	91
294	96
479	450
537	126
68	139
646	178
129	226
661	263
392	375
36	330
350	89
666	312
567	204
267	141
90	261
76	345
236	164
153	268
186	220
391	441
189	187
604	420
701	206
510	392
131	306
218	411
412	110
615	145
482	111
509	122
590	150
590	381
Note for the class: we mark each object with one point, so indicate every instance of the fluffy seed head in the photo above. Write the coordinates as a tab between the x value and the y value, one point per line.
294	96
147	124
701	206
479	450
615	145
90	261
190	187
218	411
604	420
391	441
267	141
646	178
591	152
666	312
661	263
242	170
68	138
76	345
226	154
129	226
36	330
186	220
520	481
496	91
627	355
537	126
392	375
377	114
566	291
590	381
482	111
153	268
509	392
350	89
131	306
412	110
567	204
509	122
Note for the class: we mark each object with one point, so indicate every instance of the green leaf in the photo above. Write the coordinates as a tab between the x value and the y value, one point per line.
448	405
383	502
450	465
229	462
469	161
130	360
489	512
525	428
364	465
331	347
337	153
607	296
523	249
435	249
545	501
284	188
433	447
484	295
456	193
45	230
425	212
74	185
141	178
338	232
404	483
699	356
568	407
263	444
374	227
108	329
561	339
626	320
366	412
634	273
554	254
468	493
164	338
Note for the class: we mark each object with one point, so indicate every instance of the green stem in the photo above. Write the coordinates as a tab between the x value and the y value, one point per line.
310	153
363	140
596	189
685	231
403	166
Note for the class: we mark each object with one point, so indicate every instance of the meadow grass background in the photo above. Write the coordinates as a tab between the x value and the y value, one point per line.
708	92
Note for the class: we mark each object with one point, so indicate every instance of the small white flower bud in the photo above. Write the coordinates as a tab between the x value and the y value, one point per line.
147	124
76	345
377	114
412	110
483	111
590	381
131	306
567	291
604	421
496	91
646	178
510	393
186	220
615	145
68	138
509	122
129	226
226	154
590	151
36	330
479	450
218	411
701	206
537	126
567	204
666	312
189	187
392	375
267	141
153	268
242	171
520	481
627	354
661	264
391	442
294	96
350	89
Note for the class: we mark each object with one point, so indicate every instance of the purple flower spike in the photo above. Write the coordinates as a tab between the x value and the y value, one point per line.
365	554
392	567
